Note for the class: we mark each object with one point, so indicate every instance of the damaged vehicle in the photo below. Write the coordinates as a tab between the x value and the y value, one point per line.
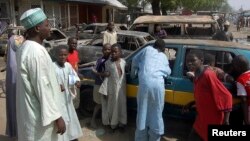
178	26
129	41
178	86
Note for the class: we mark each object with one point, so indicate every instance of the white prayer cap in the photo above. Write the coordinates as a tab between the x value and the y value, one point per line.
32	17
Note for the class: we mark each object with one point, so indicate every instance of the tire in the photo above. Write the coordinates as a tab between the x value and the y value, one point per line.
86	99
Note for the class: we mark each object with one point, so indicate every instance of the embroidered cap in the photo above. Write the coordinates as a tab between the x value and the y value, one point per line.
32	17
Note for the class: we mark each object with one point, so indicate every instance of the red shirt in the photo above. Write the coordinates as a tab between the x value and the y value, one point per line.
212	99
243	86
73	59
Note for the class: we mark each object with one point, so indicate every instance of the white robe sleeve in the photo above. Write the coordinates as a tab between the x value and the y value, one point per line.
76	75
105	38
40	69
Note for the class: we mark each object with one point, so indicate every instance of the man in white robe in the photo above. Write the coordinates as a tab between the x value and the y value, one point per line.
110	35
38	115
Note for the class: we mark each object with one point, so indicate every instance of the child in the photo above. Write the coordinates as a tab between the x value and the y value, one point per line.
209	61
99	71
208	90
240	66
73	59
68	79
113	88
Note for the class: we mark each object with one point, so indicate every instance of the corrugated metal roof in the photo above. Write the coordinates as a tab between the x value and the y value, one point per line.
114	3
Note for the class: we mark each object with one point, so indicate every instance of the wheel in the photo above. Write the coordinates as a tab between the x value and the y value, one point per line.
86	99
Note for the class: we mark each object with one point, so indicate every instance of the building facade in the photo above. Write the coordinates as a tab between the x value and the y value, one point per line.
65	13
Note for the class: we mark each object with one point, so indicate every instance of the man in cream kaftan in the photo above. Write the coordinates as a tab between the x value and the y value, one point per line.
67	109
37	92
114	107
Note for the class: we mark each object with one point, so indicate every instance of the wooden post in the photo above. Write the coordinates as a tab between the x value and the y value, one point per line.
41	3
12	15
68	15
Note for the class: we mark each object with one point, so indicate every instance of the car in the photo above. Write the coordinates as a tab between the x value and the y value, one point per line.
129	41
178	26
90	31
178	87
4	37
71	31
57	37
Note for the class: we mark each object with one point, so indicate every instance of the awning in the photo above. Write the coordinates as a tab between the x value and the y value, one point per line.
113	3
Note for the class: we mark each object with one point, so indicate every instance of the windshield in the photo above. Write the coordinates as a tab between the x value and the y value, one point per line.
56	35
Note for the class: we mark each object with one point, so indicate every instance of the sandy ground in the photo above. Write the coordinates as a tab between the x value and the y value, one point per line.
101	134
175	129
89	135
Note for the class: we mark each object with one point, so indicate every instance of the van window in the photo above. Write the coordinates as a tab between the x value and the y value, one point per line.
140	27
172	29
198	29
223	59
171	54
127	42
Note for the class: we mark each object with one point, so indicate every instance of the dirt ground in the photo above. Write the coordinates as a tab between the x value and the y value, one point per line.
175	129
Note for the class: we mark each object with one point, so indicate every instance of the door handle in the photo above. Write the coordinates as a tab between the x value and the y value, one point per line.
169	83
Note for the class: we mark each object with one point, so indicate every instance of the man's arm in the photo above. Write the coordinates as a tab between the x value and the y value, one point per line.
245	109
226	117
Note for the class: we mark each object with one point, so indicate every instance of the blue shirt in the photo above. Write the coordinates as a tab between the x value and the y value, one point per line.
100	67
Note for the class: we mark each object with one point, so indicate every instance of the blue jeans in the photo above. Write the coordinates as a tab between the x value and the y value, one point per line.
146	135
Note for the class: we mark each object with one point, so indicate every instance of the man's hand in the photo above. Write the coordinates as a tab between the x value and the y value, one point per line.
61	127
62	88
187	107
94	71
106	74
78	84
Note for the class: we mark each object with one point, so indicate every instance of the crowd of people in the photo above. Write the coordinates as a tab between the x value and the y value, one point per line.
41	95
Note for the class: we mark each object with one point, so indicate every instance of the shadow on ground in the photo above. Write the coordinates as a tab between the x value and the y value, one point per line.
5	138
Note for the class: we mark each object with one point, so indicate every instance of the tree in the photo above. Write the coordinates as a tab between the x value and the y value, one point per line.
156	7
226	8
159	6
171	5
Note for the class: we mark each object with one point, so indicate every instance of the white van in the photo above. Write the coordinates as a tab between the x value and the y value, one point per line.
176	26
